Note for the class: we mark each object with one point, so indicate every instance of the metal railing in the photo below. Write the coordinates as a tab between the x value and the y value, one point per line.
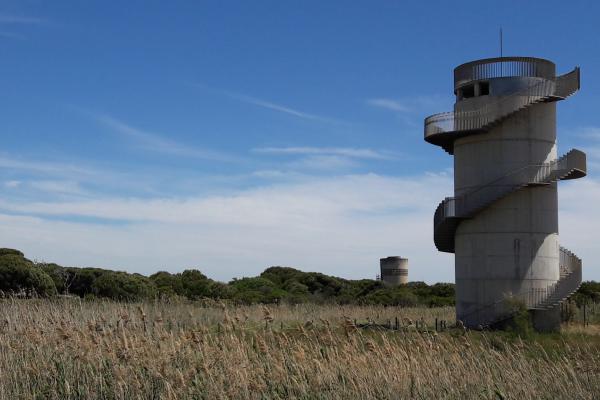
503	67
538	298
492	112
569	166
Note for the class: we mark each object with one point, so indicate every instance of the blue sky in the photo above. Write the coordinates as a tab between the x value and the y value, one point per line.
231	136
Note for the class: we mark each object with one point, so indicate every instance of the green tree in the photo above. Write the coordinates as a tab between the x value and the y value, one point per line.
18	274
256	290
167	284
82	279
195	285
11	252
124	286
59	276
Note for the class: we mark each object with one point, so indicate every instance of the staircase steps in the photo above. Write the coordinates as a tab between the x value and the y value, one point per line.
451	210
553	296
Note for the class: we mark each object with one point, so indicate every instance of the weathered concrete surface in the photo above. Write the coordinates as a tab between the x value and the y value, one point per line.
512	246
546	320
394	270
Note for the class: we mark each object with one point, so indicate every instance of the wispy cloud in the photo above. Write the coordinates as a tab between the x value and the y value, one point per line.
274	106
12	184
11	35
18	19
589	132
46	186
7	20
324	162
47	168
328	151
57	186
259	206
407	105
306	224
411	110
278	107
159	143
389	104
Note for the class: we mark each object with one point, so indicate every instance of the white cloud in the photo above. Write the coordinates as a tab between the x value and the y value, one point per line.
158	143
327	151
274	106
413	104
389	104
12	184
50	168
270	174
323	163
11	35
338	226
260	206
326	158
588	139
59	187
589	132
13	20
578	219
16	19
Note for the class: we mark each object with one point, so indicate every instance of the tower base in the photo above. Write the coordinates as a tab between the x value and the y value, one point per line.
546	320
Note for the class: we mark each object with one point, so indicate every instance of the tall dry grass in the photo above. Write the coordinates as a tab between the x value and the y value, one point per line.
88	350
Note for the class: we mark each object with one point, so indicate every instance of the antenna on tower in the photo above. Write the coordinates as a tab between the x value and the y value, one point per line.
501	42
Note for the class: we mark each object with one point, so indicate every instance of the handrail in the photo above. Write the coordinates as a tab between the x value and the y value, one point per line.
538	298
477	119
570	165
492	112
503	67
531	174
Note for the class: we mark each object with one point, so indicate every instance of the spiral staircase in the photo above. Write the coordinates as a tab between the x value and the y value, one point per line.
444	128
542	298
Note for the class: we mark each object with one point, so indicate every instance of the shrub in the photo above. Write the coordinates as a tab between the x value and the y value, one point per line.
17	274
11	252
273	285
81	280
520	324
256	290
124	286
195	285
58	274
167	284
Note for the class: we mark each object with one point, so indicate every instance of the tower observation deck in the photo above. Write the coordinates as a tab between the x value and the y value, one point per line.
502	222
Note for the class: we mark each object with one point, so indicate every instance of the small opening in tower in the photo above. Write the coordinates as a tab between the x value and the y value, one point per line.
468	91
484	88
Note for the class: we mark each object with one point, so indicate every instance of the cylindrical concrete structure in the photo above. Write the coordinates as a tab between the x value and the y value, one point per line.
502	223
511	247
394	270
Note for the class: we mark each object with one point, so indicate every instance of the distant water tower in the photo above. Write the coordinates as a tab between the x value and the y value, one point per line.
502	223
394	270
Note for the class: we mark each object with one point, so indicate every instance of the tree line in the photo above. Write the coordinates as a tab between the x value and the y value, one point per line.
22	277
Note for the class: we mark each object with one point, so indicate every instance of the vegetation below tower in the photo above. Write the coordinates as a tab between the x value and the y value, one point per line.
22	277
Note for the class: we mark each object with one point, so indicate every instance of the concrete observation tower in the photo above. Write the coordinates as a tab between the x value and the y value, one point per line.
502	223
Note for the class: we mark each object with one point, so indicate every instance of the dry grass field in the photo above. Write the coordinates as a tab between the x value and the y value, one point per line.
67	349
